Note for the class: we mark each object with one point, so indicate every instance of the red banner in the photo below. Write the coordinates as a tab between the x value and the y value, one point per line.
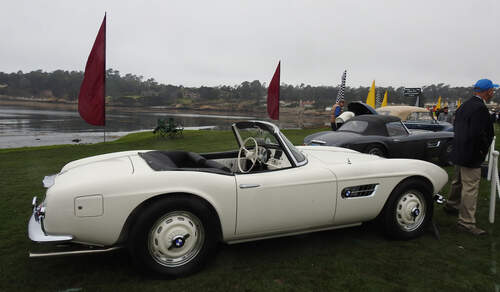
273	95
93	89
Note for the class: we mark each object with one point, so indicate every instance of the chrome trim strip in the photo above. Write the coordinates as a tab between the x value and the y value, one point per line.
318	142
286	233
73	252
249	186
433	145
36	233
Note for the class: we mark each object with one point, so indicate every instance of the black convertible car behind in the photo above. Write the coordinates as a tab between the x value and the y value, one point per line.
386	136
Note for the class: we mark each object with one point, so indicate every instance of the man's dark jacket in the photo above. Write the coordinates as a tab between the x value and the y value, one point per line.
473	133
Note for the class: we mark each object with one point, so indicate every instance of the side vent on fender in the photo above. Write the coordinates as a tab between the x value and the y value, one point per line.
359	191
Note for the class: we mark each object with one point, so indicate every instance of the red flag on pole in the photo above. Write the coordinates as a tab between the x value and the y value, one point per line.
273	95
93	89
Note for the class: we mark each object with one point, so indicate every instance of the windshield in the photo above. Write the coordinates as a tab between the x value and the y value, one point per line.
299	157
396	129
263	137
419	116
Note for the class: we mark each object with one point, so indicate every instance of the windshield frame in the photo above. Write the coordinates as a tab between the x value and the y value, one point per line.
404	127
283	142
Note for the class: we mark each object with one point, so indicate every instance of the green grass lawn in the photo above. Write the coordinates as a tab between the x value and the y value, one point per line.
353	259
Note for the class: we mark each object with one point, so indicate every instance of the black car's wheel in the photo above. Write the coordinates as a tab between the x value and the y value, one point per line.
445	155
174	236
376	150
408	210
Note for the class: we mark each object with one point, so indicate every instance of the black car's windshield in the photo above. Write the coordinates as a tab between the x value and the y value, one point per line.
396	129
420	116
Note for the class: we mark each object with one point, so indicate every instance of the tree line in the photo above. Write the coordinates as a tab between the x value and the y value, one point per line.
132	89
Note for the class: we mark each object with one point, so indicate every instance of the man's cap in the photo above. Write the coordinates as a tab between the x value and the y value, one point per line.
483	85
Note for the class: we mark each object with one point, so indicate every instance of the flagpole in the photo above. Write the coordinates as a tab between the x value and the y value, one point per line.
92	95
105	28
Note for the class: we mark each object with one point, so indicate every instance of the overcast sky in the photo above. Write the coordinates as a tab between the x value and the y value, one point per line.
194	43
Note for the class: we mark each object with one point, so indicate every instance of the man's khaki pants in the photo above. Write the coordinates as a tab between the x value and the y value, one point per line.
464	192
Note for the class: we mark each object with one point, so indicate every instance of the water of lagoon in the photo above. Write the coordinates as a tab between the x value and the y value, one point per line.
22	126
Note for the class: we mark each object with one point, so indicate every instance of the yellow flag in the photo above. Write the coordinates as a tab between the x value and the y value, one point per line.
459	103
370	99
438	106
384	102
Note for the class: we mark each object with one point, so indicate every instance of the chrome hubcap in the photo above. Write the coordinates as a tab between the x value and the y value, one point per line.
410	210
176	238
376	151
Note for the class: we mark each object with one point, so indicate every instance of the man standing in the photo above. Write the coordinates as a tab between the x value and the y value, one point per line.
473	135
444	115
336	111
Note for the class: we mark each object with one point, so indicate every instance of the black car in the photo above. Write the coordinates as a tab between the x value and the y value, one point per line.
386	136
413	117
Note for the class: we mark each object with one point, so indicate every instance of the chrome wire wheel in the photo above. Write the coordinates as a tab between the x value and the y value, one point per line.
176	238
411	210
376	151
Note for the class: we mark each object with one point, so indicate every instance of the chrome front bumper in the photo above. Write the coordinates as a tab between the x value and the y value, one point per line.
440	200
36	231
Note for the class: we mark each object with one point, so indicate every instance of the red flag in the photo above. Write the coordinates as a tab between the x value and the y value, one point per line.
93	88
273	95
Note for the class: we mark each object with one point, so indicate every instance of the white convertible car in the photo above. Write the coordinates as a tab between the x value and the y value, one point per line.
171	208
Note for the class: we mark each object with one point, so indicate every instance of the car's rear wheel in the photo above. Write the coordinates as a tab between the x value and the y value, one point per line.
174	236
376	150
408	210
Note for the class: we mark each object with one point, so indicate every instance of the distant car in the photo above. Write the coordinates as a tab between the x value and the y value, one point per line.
416	118
171	208
386	136
412	116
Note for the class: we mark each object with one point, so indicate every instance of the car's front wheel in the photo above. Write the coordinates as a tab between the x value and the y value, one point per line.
408	210
445	155
376	150
174	236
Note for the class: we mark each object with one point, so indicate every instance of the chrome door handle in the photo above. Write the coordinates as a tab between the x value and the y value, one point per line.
249	186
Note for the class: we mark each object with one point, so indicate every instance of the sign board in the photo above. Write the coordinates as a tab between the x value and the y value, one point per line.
412	92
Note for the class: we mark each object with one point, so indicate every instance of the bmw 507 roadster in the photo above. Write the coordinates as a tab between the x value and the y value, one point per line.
171	208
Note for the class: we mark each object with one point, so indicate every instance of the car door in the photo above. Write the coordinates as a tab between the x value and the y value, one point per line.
404	144
285	200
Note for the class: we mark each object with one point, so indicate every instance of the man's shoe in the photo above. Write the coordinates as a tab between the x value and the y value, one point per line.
450	210
472	229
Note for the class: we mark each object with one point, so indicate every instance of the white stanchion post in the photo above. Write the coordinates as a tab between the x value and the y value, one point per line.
498	188
489	158
494	183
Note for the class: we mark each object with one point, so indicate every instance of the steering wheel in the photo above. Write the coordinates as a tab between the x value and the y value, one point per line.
252	155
